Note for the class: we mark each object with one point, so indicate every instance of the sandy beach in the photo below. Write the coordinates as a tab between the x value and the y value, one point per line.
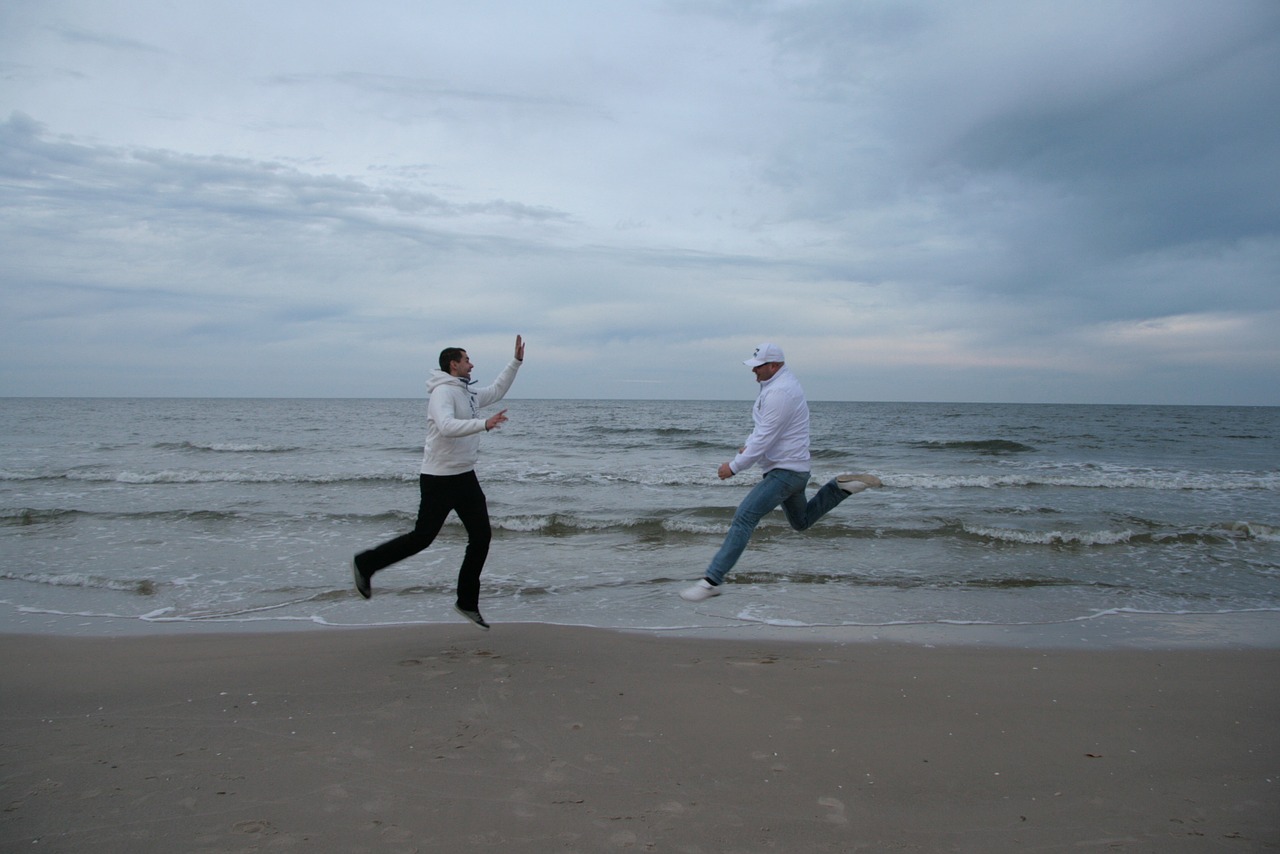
541	738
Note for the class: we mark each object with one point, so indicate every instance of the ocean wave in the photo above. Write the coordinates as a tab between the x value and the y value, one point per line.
20	476
696	522
660	432
716	524
564	524
1213	534
1210	534
22	516
1253	531
678	477
686	476
140	586
692	526
554	524
228	447
906	582
986	447
196	476
1050	538
1160	481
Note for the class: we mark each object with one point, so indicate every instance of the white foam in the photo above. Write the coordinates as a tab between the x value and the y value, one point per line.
1041	538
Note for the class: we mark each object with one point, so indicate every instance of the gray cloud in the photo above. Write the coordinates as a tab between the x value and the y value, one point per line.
78	36
1004	201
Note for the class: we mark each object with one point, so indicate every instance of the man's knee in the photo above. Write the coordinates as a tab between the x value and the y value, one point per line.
479	535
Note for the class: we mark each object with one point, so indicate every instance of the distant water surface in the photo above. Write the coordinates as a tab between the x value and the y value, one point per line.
245	513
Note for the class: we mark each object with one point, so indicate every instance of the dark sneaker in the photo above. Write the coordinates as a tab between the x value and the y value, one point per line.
855	483
362	580
700	592
473	616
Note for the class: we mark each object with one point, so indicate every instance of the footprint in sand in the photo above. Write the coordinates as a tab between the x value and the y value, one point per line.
835	808
255	826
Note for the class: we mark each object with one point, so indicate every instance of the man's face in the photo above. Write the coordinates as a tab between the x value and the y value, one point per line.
462	367
765	372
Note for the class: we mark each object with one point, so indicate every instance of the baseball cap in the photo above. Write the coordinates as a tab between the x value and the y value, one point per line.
764	354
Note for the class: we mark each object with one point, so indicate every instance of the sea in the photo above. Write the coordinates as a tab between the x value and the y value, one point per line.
125	516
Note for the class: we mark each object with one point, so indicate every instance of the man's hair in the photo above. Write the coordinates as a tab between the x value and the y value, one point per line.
449	355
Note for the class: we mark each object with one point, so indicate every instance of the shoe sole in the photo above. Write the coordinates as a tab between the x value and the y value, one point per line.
867	480
482	626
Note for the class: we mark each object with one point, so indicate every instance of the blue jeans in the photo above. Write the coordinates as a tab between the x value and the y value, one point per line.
777	487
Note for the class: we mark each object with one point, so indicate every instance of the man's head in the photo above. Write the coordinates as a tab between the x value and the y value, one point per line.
455	362
766	361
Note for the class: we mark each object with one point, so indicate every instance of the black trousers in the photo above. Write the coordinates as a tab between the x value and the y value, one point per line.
441	494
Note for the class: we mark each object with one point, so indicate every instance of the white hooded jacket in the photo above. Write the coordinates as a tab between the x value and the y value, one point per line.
454	425
780	439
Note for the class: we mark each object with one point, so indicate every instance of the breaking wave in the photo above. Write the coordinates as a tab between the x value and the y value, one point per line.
992	447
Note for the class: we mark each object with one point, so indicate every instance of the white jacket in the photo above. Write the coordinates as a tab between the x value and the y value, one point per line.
781	437
454	425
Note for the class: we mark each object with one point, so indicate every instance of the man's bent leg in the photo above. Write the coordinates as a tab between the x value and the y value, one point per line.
802	515
771	491
433	507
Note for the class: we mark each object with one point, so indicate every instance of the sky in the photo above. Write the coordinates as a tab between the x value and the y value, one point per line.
1004	201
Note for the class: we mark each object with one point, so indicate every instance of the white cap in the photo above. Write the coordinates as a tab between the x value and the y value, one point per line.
765	354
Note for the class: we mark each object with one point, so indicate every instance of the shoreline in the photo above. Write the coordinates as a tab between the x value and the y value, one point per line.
534	737
1110	630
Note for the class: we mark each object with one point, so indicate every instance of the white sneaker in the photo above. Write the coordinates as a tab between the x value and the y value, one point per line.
701	591
855	483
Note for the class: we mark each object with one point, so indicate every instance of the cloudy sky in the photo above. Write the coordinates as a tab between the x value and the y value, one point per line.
983	201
